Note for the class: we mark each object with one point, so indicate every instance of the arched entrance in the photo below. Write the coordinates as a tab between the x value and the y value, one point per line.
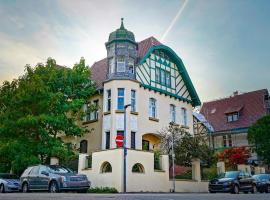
150	142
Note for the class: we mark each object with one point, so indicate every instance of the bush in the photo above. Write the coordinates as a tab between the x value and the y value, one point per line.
186	175
209	173
102	190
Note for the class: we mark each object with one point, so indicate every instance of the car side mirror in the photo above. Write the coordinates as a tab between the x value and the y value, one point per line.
45	173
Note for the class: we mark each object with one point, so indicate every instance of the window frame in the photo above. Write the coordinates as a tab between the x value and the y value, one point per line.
133	140
184	116
109	100
133	100
121	64
153	108
172	113
120	106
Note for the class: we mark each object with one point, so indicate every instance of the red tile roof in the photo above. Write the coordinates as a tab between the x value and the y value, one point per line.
251	106
99	68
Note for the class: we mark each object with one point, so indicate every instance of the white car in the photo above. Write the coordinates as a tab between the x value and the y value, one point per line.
9	183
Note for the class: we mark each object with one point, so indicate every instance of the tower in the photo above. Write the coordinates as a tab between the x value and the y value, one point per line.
122	51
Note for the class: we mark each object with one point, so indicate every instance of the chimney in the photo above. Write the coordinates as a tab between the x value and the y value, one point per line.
235	93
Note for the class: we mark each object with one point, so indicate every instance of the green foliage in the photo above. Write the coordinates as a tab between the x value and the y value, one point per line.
44	102
209	173
186	146
157	160
259	135
186	175
102	190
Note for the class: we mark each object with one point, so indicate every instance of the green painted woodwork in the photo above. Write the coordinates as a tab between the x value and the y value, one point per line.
121	34
195	101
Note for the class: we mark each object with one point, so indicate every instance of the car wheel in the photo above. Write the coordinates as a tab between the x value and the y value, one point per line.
254	189
25	188
267	189
236	189
2	188
53	188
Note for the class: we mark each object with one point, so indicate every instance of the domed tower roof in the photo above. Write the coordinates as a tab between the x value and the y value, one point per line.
121	34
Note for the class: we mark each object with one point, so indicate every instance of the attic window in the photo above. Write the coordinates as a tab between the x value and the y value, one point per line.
232	117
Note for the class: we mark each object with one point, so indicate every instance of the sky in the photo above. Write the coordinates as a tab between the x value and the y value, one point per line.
224	44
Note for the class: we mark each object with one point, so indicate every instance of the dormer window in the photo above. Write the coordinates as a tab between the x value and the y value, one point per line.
232	117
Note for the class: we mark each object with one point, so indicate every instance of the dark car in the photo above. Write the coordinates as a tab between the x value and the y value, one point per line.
262	182
53	178
9	183
234	182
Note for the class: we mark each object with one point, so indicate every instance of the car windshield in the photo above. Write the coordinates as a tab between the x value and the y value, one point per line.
233	174
60	169
9	176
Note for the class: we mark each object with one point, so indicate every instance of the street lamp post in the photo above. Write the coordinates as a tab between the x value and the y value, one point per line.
173	125
125	148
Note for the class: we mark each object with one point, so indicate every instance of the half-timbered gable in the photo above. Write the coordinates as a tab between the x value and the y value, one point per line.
163	71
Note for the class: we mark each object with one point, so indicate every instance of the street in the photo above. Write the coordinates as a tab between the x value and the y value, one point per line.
137	196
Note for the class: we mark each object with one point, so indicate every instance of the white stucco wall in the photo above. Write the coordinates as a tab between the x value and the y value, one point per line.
140	123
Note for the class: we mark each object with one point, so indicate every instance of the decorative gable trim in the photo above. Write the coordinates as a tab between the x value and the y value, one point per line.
195	101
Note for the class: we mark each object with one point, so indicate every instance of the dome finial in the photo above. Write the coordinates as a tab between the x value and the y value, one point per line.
122	23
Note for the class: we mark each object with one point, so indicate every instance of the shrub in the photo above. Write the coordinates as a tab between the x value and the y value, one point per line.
209	173
102	190
186	175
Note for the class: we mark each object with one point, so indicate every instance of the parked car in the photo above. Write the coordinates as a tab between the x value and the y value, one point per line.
262	182
234	182
9	183
53	178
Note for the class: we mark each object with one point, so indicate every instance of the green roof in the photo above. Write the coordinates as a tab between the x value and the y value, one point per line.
121	34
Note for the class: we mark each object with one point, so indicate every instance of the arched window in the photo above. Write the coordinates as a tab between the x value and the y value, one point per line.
83	146
138	168
106	167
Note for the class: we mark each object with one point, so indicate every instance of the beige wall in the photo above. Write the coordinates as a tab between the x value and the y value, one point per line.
149	181
140	123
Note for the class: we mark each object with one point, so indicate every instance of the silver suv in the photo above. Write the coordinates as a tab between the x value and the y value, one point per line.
53	178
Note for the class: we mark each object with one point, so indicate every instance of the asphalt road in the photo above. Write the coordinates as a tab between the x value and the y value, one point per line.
142	196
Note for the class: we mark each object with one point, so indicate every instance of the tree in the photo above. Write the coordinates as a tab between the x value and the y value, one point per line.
259	135
186	146
234	156
38	106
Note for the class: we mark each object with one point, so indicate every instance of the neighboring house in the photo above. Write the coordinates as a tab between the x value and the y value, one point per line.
231	117
150	77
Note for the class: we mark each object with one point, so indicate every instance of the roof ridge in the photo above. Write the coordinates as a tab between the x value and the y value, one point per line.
232	96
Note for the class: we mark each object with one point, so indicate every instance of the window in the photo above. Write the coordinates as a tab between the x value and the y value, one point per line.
162	77
133	100
172	113
108	137
106	167
230	140
152	108
145	145
34	171
138	168
224	141
42	168
120	99
184	117
232	117
157	75
92	111
111	65
83	146
168	79
121	64
131	65
133	140
108	100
